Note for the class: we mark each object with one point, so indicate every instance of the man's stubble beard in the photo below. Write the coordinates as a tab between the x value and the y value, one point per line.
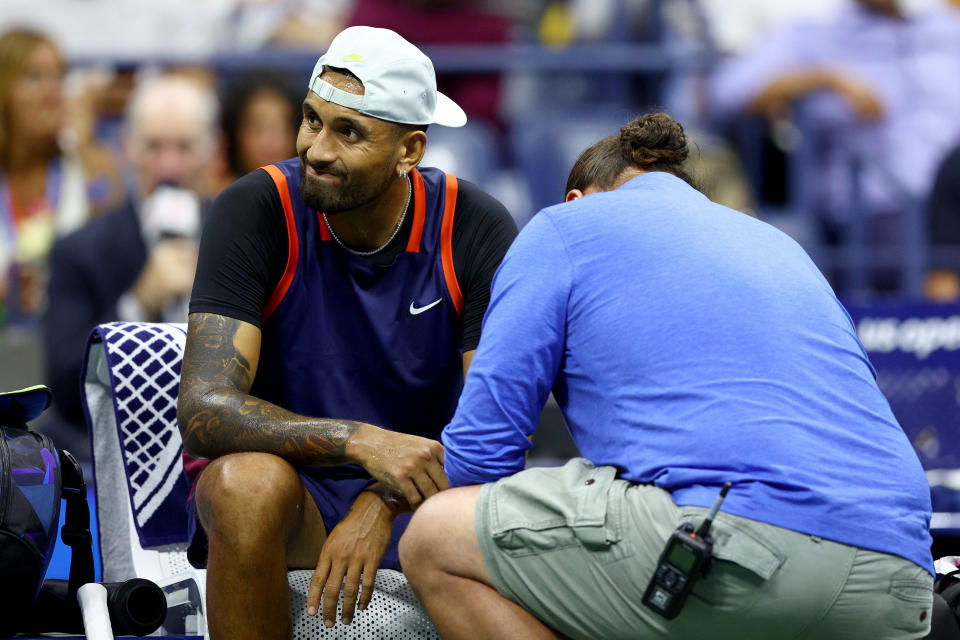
343	197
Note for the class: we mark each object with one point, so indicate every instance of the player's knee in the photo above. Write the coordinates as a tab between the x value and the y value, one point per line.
247	492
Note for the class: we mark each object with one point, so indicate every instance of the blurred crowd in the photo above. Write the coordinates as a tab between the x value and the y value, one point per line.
121	121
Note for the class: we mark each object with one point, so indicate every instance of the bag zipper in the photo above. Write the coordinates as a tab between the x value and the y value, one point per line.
5	473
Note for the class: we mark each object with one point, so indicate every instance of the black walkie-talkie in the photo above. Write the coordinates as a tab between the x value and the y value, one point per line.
685	557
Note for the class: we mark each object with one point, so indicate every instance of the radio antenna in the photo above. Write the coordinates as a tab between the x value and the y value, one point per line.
705	525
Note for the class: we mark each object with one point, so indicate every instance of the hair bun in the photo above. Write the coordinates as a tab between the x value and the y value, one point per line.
654	141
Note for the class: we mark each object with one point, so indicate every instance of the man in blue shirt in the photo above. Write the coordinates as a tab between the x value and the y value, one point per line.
688	345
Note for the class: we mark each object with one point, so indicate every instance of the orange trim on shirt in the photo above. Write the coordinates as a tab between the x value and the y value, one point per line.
419	212
324	229
446	243
293	244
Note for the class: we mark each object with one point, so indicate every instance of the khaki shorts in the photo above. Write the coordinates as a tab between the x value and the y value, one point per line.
576	547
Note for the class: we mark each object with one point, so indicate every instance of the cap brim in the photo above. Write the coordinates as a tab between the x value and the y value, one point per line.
448	113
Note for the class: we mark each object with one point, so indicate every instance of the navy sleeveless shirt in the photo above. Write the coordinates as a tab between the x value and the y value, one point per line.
345	338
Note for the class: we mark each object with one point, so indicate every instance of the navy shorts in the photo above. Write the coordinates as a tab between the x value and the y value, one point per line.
333	494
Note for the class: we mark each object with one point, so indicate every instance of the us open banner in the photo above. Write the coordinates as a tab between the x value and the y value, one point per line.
915	349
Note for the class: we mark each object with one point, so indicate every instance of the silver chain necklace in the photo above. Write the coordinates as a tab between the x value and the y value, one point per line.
403	216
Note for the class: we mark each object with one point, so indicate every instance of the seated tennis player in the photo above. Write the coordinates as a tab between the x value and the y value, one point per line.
337	306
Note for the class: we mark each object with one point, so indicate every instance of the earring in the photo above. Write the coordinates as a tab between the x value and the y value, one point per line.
401	173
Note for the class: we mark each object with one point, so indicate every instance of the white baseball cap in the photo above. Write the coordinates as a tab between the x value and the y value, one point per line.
399	84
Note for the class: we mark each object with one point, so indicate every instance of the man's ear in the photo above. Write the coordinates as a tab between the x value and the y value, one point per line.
413	145
573	194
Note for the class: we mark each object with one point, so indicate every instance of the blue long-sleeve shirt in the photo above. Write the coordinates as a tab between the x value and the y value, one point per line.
688	344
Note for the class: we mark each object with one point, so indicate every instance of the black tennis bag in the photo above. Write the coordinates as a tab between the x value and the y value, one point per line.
34	476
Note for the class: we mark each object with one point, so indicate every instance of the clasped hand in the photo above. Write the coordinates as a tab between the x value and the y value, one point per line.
410	464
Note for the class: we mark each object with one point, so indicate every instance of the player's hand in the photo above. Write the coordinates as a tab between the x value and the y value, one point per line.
407	463
353	550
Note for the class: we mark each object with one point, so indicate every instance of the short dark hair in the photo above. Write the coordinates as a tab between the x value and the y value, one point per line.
654	142
342	71
404	128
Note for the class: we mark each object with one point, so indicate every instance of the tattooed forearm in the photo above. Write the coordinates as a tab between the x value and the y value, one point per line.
217	415
230	423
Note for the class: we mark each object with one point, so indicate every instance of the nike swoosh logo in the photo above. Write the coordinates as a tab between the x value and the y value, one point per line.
415	311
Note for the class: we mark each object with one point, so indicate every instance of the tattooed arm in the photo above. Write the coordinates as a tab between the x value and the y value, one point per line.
217	416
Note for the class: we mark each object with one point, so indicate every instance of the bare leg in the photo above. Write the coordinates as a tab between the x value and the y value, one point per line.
441	558
259	520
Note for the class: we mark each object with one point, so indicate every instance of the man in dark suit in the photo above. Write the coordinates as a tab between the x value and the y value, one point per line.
137	262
